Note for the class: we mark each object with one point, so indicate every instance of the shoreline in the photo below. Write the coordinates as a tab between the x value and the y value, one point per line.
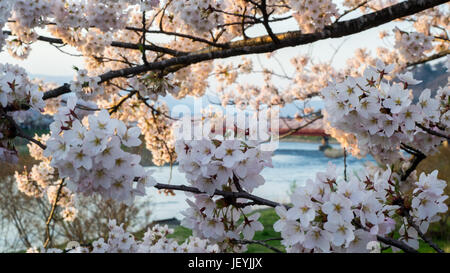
309	139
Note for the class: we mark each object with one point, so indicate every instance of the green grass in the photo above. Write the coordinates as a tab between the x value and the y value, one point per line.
180	233
269	217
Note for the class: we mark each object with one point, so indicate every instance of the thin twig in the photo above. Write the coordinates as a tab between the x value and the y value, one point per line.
116	107
21	134
430	58
432	132
294	130
351	10
35	141
417	157
345	164
52	213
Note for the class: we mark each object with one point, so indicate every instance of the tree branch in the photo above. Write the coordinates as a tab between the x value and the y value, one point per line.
265	44
234	195
391	241
19	133
418	156
263	8
432	132
154	48
396	243
116	107
430	58
52	213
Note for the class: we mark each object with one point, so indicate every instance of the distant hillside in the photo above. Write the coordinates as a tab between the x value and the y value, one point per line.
55	79
433	77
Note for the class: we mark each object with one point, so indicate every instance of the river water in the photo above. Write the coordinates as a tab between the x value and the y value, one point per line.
293	162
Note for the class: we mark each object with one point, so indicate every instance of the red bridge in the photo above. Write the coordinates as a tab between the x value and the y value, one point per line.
308	128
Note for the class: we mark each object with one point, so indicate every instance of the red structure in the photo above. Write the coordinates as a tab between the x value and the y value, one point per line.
313	129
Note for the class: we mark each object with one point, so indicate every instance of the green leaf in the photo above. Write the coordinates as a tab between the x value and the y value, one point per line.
141	48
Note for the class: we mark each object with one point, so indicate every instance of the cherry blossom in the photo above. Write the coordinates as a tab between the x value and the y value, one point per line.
91	159
355	211
381	110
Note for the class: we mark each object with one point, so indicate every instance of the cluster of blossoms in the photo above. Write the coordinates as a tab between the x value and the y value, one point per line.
155	125
225	73
382	115
220	221
158	134
154	121
83	85
69	20
151	85
42	180
212	163
332	215
155	241
426	205
26	15
193	80
309	78
16	90
313	15
91	43
88	154
412	46
29	14
105	15
95	42
198	14
221	162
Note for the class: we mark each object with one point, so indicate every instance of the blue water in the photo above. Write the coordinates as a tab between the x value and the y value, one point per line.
293	163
